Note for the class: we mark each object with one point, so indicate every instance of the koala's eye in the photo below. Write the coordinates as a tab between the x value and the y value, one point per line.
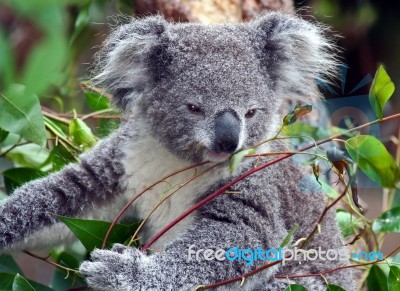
250	113
194	109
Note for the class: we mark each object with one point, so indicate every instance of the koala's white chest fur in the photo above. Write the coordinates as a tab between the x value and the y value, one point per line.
146	162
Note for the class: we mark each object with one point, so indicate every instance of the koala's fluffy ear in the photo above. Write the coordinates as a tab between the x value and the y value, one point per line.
132	59
294	54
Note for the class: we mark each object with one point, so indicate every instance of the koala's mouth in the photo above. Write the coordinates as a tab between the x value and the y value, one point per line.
215	157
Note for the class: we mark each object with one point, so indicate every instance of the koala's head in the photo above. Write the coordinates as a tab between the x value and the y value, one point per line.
208	91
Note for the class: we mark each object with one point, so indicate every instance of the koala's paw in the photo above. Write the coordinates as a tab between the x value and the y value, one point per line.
111	269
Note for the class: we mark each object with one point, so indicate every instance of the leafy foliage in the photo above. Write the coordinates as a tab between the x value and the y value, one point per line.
40	132
92	232
382	89
374	160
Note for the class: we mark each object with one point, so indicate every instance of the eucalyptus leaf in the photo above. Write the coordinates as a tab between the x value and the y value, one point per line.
332	287
81	134
289	236
237	158
96	101
376	279
21	284
44	64
373	159
92	232
3	135
81	21
60	157
394	279
7	280
298	111
382	89
20	113
28	155
107	126
388	221
8	265
16	177
7	61
303	129
295	287
348	223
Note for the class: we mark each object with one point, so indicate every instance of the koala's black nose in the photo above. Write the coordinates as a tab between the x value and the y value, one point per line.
227	130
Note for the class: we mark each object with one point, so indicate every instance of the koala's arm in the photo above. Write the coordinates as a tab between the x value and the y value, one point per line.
26	217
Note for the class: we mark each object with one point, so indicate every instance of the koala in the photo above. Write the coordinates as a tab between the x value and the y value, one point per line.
192	93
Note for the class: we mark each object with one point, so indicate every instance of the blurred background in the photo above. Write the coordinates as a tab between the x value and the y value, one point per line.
49	46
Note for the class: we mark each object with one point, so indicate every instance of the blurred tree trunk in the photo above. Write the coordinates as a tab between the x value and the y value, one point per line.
210	11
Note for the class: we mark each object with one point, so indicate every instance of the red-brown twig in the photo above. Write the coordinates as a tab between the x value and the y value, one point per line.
167	197
338	268
114	222
51	262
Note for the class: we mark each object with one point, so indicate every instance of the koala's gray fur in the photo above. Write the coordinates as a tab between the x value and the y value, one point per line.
153	70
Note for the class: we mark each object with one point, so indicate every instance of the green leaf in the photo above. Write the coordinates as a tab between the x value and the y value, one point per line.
348	223
44	64
289	236
96	101
92	232
237	158
7	61
20	113
328	189
21	284
373	159
8	265
298	111
303	129
3	135
295	287
107	126
81	134
29	155
376	279
332	287
382	89
55	126
81	21
388	221
60	157
7	280
394	279
16	177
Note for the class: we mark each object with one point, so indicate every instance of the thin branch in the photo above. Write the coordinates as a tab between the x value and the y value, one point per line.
114	222
97	113
338	268
87	86
323	214
167	197
51	262
55	117
13	147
